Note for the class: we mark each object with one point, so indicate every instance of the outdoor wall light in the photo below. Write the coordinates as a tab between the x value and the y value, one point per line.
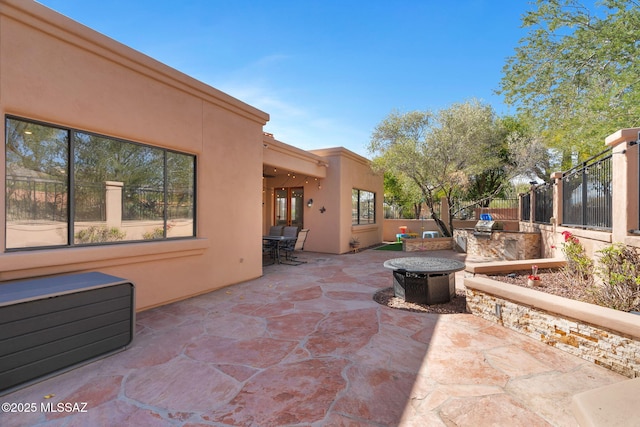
310	203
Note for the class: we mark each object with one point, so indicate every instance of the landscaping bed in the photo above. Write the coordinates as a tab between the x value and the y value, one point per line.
552	281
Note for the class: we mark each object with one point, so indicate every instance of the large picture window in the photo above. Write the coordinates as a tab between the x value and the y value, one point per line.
66	187
363	207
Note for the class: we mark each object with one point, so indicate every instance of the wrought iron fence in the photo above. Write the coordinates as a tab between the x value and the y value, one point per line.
525	207
35	199
180	203
586	193
142	203
90	202
543	204
499	209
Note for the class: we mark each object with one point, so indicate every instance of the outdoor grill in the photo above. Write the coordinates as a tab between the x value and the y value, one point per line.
486	226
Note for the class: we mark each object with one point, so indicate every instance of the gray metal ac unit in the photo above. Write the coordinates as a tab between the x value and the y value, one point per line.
52	324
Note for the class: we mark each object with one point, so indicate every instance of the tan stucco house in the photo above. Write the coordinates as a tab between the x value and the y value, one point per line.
117	163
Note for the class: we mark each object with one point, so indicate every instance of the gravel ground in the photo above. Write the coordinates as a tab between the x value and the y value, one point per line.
552	281
458	304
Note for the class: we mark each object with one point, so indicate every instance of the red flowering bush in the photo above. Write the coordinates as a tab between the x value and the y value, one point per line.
579	266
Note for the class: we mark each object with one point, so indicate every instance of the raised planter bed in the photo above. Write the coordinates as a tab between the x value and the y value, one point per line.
431	244
606	337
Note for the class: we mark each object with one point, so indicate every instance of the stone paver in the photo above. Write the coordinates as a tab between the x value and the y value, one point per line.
307	346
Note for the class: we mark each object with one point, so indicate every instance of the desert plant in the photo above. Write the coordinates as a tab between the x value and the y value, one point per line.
619	269
157	233
579	267
99	234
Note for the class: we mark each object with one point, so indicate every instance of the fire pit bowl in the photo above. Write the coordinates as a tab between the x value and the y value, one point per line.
424	280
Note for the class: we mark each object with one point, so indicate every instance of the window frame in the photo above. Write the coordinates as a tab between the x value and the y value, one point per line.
70	182
357	192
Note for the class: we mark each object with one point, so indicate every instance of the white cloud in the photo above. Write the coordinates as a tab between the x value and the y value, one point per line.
291	122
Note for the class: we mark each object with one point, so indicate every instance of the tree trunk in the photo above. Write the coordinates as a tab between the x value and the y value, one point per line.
441	225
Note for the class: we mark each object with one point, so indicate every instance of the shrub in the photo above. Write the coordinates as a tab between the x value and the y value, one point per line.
157	233
620	273
579	266
99	234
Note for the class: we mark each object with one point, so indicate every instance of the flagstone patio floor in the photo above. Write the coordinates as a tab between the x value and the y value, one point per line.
307	346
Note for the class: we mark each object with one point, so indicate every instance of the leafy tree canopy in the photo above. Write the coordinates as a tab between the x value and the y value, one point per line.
576	72
403	195
439	152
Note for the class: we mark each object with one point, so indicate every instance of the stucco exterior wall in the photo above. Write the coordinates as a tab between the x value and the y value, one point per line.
347	171
327	176
57	71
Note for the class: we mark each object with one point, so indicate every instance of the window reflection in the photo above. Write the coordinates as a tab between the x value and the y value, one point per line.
180	194
36	185
363	207
122	191
135	173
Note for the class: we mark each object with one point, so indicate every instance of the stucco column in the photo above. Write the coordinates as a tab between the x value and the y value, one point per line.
113	200
624	197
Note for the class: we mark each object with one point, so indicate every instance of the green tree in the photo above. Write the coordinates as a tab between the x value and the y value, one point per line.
576	72
403	195
528	156
438	152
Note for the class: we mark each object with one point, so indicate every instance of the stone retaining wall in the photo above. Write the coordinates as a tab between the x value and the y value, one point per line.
435	244
606	337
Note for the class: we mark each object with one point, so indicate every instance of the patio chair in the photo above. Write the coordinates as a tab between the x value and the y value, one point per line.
276	230
269	248
298	245
288	246
290	231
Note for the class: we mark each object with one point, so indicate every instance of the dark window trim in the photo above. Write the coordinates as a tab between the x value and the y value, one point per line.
357	222
71	188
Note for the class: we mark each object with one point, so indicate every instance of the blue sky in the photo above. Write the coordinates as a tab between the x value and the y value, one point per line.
326	71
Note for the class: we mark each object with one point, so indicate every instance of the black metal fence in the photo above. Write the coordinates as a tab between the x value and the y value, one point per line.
543	203
586	193
180	203
142	203
34	199
90	202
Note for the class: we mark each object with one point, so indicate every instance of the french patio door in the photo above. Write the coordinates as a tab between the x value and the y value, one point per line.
288	206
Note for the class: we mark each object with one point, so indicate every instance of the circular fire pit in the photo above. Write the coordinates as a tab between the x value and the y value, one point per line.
424	280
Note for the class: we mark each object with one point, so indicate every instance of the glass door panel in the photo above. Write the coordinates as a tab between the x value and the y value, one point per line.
297	202
281	207
288	206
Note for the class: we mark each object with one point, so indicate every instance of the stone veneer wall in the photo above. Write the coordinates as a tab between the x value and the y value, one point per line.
501	245
606	337
435	244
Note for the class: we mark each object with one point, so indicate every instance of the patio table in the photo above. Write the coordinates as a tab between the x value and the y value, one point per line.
278	241
424	280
